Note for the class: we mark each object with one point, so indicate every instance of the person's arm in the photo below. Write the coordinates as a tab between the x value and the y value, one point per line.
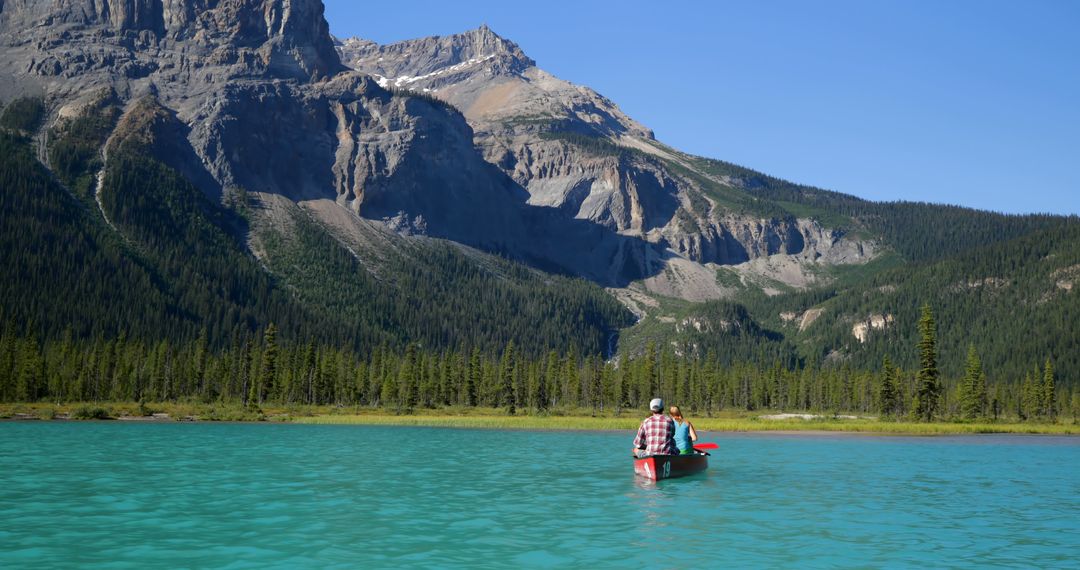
639	439
693	432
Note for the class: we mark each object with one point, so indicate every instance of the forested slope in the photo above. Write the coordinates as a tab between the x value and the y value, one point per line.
1017	302
918	231
146	255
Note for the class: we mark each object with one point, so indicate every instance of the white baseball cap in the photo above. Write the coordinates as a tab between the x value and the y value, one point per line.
656	405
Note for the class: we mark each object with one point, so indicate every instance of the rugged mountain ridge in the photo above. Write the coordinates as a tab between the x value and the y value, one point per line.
464	68
135	38
222	68
407	162
575	151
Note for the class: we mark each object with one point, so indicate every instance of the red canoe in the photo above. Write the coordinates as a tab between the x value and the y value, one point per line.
658	467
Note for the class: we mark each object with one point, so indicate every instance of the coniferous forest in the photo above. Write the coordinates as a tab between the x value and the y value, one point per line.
261	369
126	283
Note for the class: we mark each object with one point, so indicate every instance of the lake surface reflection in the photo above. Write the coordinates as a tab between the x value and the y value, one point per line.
239	495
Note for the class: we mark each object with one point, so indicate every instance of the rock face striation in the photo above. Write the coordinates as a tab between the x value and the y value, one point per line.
182	41
460	137
576	152
266	108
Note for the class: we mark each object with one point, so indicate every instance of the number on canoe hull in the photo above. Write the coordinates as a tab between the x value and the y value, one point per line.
666	467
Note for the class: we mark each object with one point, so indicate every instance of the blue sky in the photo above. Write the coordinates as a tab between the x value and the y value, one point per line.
964	102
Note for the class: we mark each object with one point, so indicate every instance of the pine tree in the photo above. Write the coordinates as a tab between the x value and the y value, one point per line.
1031	395
571	382
460	376
1076	405
887	395
8	343
595	367
982	392
244	363
31	371
1049	392
408	380
928	395
649	385
540	390
308	372
268	374
388	390
472	379
551	380
63	373
506	379
445	379
120	388
200	365
360	384
972	389
620	392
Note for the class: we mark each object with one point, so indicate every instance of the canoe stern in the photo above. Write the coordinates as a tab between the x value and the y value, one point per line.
657	467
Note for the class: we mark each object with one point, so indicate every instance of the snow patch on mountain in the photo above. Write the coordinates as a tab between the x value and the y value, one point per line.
407	80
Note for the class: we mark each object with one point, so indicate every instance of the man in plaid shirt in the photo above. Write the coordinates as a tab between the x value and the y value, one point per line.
656	436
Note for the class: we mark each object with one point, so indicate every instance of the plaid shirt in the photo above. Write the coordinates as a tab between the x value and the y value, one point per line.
657	436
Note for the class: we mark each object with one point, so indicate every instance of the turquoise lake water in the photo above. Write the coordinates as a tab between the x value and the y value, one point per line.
115	495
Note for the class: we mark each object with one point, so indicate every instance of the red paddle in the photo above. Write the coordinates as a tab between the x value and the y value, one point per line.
708	445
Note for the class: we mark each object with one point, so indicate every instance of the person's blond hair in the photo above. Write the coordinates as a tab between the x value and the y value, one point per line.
675	412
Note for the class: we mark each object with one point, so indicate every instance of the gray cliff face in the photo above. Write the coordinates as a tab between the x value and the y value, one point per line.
490	80
439	58
182	40
265	106
254	113
530	124
259	103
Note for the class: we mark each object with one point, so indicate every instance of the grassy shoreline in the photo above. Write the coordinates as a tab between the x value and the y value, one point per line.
496	419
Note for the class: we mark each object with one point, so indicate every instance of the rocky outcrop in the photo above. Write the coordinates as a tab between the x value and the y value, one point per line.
809	317
704	325
1066	278
861	330
185	44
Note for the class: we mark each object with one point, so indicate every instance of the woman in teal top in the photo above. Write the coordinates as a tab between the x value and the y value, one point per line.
685	434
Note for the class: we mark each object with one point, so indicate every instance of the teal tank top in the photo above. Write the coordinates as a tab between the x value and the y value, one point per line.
682	436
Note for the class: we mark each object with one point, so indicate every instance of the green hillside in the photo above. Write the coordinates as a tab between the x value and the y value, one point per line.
918	231
430	292
1017	302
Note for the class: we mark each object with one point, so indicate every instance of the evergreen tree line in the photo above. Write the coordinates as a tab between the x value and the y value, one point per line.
257	370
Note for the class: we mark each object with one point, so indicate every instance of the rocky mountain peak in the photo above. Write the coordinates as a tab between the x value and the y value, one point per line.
578	156
275	38
437	61
501	155
491	80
